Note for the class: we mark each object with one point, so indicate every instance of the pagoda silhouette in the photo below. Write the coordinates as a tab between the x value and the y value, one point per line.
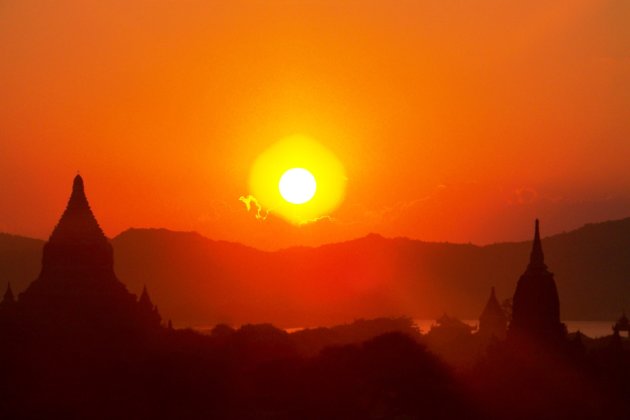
493	321
77	289
535	305
622	324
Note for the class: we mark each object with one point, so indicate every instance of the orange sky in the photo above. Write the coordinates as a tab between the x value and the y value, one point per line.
455	121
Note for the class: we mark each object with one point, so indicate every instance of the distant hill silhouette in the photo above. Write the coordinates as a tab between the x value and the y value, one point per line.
198	281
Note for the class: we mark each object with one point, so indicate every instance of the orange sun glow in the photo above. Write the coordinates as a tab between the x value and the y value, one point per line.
298	179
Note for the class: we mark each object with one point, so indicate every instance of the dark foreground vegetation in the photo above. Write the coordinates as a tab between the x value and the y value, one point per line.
358	371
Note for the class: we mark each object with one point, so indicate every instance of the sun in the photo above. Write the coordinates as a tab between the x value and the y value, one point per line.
297	186
298	179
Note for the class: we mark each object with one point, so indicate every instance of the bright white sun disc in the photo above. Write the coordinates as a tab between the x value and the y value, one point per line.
297	185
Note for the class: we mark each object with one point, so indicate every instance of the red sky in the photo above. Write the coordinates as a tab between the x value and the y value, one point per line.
455	121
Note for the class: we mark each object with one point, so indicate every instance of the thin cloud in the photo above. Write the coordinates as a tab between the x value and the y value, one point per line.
318	219
261	214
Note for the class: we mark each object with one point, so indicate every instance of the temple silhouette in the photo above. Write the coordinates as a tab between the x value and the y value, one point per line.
77	290
493	320
535	305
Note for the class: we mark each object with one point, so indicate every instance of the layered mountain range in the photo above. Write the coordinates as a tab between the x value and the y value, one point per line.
196	281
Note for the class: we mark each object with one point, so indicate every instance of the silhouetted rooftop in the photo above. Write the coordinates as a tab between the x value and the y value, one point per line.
493	308
77	222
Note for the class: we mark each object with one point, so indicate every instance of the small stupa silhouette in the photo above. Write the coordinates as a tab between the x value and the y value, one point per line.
77	287
493	321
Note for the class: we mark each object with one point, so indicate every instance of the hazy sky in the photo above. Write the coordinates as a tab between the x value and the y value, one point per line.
455	120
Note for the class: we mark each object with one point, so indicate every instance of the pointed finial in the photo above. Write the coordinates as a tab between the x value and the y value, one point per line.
145	299
537	258
8	295
492	294
78	182
78	198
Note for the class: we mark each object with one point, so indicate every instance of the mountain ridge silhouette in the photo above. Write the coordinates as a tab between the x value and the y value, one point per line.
199	281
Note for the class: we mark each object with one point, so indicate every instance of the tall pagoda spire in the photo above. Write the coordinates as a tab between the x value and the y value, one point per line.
536	306
537	258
